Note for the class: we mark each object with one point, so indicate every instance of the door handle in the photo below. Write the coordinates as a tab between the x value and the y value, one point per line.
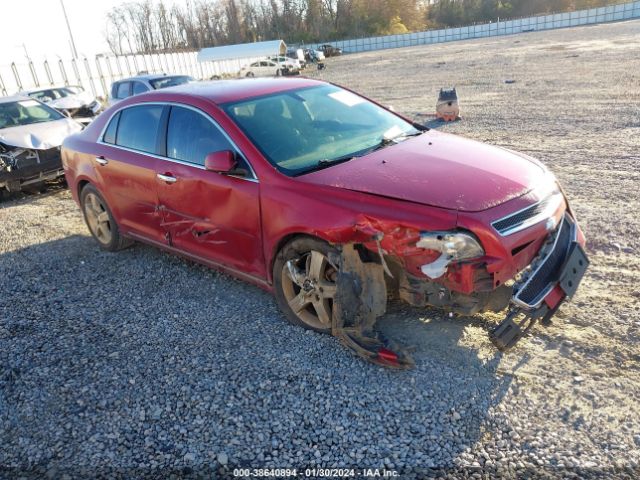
101	160
167	178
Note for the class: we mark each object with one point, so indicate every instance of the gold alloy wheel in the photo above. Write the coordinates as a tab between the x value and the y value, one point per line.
97	218
309	286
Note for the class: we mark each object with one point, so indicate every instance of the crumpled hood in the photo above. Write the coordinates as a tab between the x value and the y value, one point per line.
438	169
72	101
39	136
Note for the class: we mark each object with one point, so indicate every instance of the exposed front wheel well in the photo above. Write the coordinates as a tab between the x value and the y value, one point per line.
284	241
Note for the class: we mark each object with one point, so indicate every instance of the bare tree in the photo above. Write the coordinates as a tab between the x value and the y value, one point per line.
147	26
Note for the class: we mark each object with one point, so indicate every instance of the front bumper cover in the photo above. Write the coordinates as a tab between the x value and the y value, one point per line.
556	274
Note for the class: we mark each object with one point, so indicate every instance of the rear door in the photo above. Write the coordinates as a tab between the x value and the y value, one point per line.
125	163
264	68
206	214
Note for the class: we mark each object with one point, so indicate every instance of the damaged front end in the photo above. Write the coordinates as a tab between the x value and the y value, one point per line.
84	113
21	167
540	289
449	270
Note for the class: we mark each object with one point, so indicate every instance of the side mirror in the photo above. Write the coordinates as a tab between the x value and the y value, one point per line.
223	161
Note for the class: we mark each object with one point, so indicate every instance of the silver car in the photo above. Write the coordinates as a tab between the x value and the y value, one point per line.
31	134
72	100
144	83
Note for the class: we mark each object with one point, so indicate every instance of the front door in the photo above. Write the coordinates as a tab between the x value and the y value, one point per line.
210	215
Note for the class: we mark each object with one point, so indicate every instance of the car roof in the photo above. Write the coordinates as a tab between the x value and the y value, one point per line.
14	98
49	87
223	91
151	76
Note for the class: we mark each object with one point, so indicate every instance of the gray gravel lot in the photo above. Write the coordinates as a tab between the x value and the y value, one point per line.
143	363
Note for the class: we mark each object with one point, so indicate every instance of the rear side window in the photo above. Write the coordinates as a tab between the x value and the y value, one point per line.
191	136
110	132
138	127
123	90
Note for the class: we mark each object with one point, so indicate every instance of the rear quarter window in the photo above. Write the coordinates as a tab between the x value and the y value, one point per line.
138	127
110	132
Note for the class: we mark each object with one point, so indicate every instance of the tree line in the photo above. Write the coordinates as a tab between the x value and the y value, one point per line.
148	26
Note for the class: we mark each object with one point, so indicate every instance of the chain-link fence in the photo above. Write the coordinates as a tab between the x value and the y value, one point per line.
96	74
611	13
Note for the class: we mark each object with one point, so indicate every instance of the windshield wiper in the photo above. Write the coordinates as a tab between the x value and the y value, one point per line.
385	142
325	162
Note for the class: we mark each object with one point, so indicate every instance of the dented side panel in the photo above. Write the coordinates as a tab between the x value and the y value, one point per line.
214	216
340	216
128	183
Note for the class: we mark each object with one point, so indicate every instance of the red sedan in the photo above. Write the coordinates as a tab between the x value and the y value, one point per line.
332	202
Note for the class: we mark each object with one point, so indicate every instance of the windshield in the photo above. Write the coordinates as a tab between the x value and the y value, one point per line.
303	130
26	112
165	82
55	93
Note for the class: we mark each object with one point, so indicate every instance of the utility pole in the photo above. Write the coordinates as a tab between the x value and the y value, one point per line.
73	44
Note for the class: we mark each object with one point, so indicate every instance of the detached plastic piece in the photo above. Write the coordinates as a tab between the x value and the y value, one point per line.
361	297
447	108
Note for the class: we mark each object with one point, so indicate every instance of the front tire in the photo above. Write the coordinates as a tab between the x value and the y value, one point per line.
305	283
100	220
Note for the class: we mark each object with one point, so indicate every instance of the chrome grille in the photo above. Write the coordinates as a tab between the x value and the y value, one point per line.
528	216
535	284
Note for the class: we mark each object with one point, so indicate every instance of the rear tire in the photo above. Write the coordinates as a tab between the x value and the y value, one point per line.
307	302
100	220
250	74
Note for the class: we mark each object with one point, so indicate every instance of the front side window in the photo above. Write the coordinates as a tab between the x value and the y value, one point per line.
191	136
302	130
139	87
138	127
26	112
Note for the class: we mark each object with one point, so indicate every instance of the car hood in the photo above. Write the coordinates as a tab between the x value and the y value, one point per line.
72	101
438	169
39	136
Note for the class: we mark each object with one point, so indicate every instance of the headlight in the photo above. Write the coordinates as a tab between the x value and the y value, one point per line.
453	246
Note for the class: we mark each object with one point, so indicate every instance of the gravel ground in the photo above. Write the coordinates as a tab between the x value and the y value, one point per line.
140	363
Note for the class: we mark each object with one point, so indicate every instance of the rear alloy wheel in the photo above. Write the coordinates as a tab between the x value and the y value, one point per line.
305	283
100	220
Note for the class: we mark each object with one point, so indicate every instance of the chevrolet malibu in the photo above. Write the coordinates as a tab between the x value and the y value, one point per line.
333	203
